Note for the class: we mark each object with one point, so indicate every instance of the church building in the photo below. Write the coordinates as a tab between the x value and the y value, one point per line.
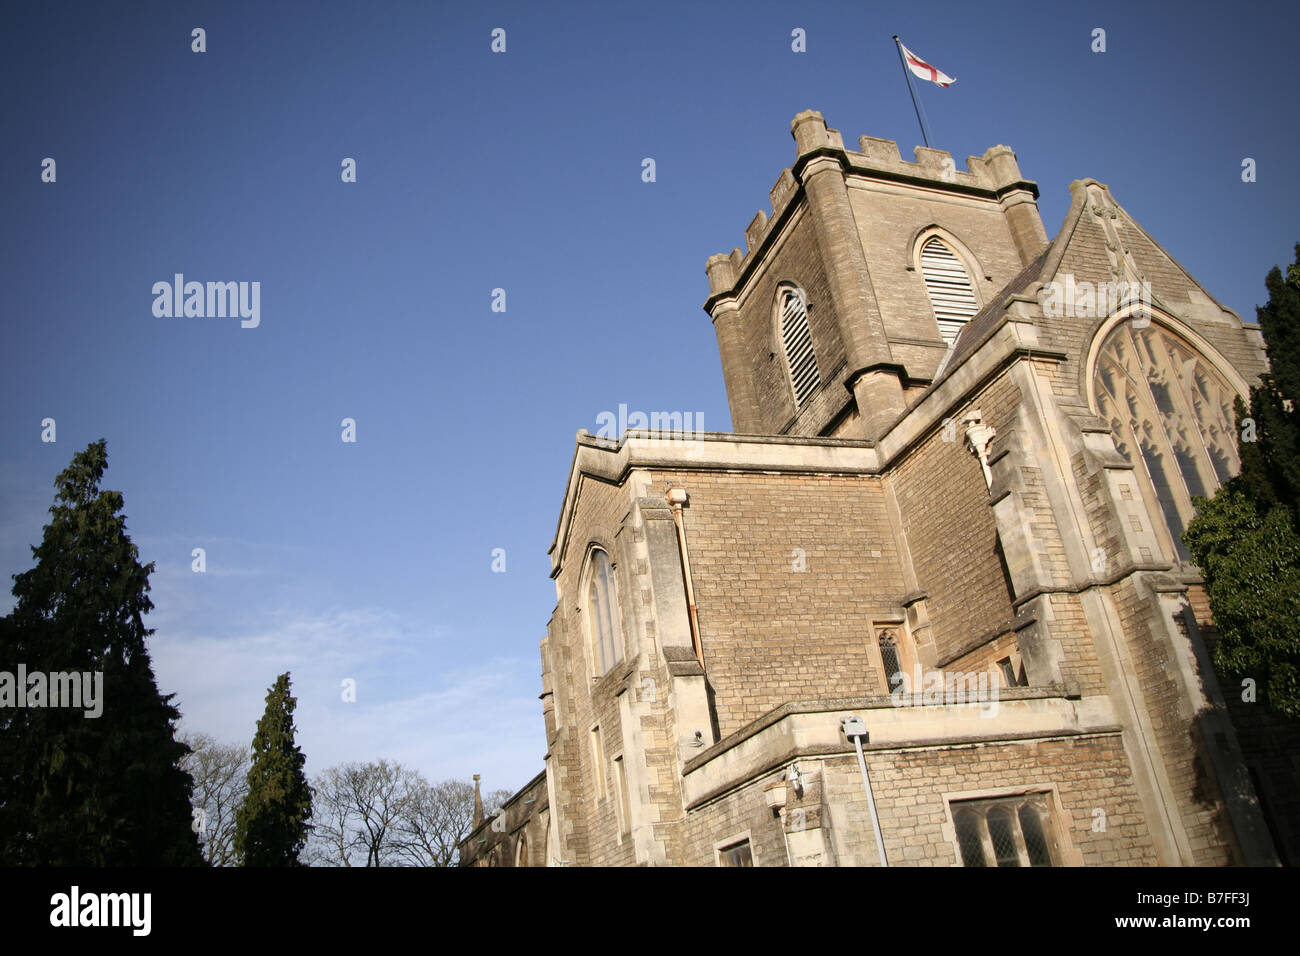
928	605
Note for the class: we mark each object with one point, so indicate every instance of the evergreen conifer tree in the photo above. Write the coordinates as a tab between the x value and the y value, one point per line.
271	826
1245	538
78	788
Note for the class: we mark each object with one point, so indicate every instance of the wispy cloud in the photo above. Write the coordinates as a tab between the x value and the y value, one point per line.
411	706
443	722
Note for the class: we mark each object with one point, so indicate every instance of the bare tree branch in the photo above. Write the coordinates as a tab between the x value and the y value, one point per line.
220	773
437	819
361	807
383	814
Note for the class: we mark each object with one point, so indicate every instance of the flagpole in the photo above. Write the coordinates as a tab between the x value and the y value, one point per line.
907	74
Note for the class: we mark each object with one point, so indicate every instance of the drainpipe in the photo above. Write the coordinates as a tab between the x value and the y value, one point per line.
677	497
855	729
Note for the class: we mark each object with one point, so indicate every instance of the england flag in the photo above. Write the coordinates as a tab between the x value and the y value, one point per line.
924	70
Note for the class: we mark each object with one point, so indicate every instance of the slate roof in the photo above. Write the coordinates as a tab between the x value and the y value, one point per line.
989	316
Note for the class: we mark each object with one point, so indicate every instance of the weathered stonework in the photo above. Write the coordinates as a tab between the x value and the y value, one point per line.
961	510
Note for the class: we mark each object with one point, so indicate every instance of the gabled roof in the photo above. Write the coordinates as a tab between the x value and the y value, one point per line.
988	318
1044	269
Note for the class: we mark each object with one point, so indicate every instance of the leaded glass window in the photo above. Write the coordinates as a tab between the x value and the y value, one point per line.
1005	831
1172	416
603	612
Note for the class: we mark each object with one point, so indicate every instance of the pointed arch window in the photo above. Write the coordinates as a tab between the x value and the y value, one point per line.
889	657
970	838
602	612
796	340
952	296
897	660
1171	414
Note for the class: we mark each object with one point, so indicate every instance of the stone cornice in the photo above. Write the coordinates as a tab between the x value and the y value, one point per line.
605	460
878	702
1127	570
810	729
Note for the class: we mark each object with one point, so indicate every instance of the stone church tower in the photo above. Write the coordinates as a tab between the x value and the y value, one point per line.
928	605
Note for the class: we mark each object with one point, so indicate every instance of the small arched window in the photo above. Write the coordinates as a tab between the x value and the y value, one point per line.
969	838
796	340
1031	828
1003	834
889	657
949	285
521	851
897	659
602	612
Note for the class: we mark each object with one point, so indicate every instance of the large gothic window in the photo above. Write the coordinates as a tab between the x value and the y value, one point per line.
951	294
602	612
796	340
1172	417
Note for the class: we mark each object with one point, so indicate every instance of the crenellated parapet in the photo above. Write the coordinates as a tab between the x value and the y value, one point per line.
996	174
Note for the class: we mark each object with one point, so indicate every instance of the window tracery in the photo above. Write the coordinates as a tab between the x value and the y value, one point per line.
1171	413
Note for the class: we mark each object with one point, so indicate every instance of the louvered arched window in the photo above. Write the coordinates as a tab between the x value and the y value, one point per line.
796	339
951	294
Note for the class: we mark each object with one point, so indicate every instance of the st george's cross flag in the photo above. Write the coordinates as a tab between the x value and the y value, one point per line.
924	70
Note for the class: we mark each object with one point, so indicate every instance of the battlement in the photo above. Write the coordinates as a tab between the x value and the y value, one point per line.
992	175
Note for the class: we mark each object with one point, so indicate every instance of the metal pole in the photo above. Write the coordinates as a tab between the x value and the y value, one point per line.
907	74
871	800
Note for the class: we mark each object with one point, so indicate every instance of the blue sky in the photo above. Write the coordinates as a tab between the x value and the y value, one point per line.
476	171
